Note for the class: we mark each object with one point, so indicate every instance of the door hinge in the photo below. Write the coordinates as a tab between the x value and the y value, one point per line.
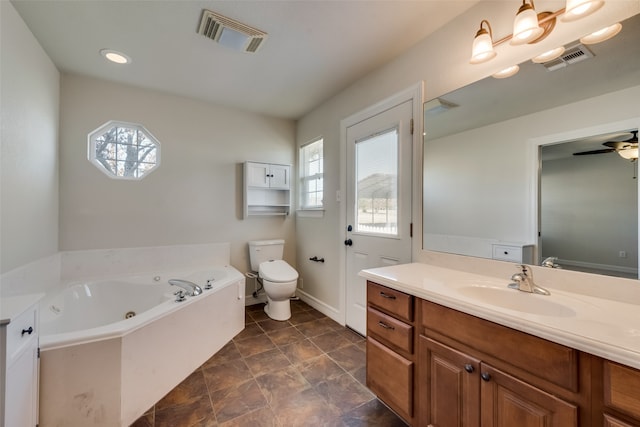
38	352
411	230
411	126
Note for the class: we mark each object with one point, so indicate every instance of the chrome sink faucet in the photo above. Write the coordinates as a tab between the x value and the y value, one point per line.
550	262
191	288
523	281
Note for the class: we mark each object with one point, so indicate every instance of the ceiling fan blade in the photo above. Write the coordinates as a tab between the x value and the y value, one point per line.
602	151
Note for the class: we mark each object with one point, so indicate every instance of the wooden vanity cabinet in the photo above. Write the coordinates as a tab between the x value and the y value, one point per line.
474	372
621	389
390	348
439	367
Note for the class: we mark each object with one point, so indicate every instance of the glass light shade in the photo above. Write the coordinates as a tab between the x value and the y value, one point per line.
549	55
602	35
482	49
576	9
525	26
629	153
507	72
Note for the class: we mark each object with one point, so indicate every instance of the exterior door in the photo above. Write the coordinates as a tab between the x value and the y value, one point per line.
378	201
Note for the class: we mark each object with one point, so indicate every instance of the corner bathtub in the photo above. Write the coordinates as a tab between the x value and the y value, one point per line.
110	349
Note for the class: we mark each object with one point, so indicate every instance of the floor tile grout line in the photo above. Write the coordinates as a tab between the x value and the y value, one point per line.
213	409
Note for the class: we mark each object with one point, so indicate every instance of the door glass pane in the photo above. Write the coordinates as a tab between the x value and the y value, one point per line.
377	183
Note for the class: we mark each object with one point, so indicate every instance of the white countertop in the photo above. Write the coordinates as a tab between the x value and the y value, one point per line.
12	307
604	327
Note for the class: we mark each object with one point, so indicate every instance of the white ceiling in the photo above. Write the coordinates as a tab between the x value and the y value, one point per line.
314	49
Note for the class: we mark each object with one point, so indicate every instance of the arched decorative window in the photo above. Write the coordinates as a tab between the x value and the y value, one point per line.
124	150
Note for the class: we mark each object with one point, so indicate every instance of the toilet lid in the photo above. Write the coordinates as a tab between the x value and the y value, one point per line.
277	271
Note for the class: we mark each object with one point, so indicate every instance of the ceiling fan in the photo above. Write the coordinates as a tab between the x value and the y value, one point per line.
627	149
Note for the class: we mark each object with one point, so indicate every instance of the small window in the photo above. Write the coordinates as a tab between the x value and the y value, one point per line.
311	175
124	150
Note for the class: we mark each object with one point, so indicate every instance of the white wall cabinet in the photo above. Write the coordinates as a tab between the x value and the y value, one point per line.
19	361
267	189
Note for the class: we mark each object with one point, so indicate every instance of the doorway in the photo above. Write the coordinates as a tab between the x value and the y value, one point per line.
378	192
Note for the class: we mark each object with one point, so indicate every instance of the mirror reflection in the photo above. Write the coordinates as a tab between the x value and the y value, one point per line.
480	165
589	204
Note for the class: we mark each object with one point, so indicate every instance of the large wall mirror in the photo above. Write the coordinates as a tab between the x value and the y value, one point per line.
500	175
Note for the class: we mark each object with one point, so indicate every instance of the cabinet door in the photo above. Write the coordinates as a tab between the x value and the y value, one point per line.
390	377
21	403
507	401
611	421
449	387
257	174
280	176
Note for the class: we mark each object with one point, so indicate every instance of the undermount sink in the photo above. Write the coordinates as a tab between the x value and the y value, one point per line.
517	300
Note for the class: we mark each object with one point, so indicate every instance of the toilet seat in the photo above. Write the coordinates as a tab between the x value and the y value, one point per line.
277	271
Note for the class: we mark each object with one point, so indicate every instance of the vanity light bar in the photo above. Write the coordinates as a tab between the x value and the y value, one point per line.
529	26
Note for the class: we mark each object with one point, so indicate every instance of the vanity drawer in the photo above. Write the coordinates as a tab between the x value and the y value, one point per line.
389	330
391	301
622	388
20	332
390	377
544	359
507	253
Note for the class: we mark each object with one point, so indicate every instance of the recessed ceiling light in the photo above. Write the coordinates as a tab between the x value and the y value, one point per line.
602	35
507	72
548	55
115	56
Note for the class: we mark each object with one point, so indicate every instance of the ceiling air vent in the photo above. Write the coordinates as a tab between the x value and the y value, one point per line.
573	54
230	33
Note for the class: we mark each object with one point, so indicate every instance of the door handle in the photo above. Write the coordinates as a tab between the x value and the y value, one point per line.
348	242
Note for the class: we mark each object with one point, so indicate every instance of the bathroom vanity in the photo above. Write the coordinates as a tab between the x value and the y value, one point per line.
448	348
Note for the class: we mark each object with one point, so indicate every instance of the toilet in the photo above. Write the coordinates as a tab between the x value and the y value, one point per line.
278	278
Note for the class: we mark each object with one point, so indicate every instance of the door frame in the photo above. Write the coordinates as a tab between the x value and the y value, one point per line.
414	93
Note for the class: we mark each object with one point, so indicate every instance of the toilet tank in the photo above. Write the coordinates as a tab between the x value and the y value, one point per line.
264	250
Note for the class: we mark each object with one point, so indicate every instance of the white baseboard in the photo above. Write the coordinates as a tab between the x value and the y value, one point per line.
322	307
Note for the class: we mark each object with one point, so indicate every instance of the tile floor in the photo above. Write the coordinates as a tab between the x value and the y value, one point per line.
308	371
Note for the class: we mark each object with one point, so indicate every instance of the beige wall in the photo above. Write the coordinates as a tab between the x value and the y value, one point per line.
195	196
29	138
441	61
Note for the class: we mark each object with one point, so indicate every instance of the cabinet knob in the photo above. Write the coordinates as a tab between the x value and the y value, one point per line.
485	376
348	242
27	331
469	368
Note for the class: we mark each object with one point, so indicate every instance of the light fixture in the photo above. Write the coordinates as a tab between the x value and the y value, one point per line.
629	153
115	56
602	35
525	26
549	55
482	49
528	27
576	9
507	72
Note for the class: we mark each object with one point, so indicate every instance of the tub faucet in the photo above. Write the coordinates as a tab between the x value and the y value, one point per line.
191	288
523	281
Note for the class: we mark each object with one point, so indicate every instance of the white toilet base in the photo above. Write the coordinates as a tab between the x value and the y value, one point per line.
278	310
